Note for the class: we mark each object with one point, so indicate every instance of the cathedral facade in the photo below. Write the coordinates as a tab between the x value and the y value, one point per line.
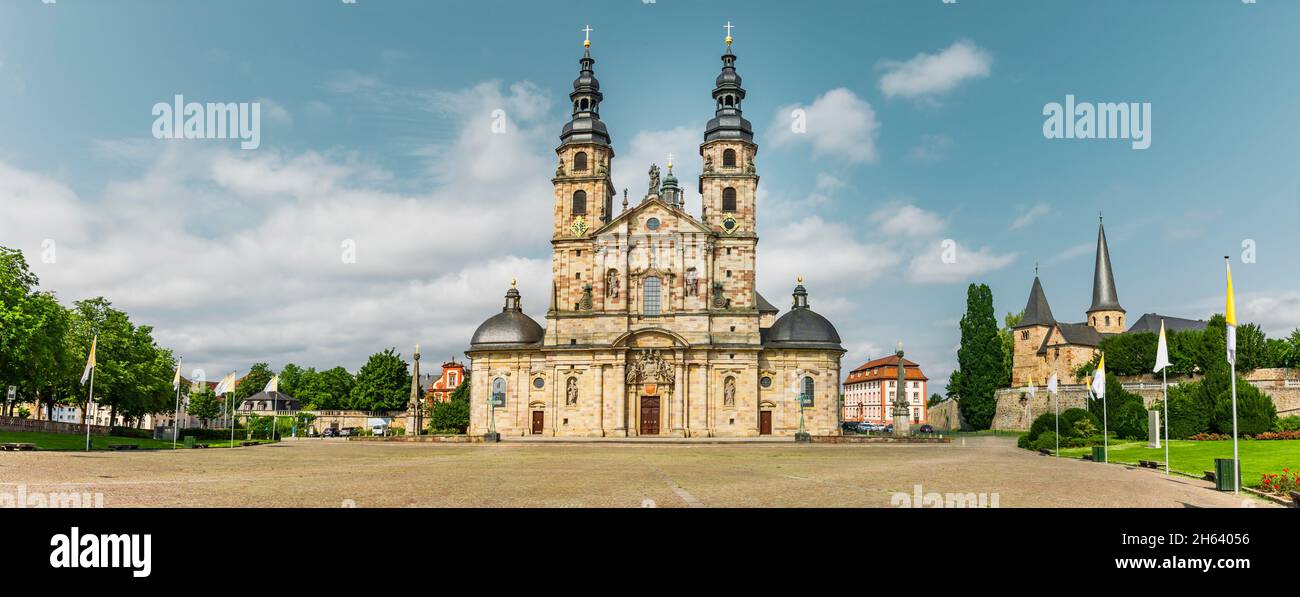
654	325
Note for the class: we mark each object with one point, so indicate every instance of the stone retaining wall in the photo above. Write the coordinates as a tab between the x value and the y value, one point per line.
21	424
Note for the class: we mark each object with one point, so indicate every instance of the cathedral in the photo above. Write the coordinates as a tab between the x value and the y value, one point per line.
1043	346
654	325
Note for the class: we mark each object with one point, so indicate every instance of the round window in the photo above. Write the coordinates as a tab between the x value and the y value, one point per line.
729	224
652	223
539	383
766	382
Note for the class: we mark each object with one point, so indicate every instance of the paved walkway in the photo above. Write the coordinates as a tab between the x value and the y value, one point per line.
324	473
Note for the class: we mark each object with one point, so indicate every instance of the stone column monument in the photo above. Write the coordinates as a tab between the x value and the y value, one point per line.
902	412
415	410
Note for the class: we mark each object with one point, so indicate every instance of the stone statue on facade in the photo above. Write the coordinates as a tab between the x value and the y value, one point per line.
649	366
584	304
571	392
729	392
611	283
559	170
708	164
654	180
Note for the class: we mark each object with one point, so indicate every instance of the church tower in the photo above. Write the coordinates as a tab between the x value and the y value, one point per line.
1105	315
584	193
1028	336
727	189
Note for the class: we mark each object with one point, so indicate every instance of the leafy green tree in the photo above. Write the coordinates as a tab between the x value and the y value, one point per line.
1125	413
383	383
291	381
1252	347
934	399
979	357
204	405
258	376
1008	345
452	416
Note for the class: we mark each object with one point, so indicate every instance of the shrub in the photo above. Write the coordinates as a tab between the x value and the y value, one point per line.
1125	413
1279	435
1190	411
1023	442
131	432
1255	410
1291	423
1046	441
1280	483
1077	422
1044	422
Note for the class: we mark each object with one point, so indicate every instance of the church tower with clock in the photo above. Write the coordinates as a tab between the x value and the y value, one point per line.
654	324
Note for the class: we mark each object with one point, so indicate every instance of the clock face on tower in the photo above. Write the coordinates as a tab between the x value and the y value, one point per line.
729	224
579	226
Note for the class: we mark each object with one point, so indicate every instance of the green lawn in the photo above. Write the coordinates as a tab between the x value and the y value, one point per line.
63	441
1257	456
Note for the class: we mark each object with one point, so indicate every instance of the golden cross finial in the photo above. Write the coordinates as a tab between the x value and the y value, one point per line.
417	349
587	43
512	282
670	162
728	27
800	279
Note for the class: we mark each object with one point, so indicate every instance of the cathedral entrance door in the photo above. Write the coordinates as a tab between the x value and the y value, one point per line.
649	415
539	422
765	422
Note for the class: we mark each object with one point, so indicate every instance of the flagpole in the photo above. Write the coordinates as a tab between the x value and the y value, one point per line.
1056	405
231	397
1164	386
90	400
176	420
1236	462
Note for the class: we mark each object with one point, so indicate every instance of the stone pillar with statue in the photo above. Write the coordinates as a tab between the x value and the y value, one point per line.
902	409
415	409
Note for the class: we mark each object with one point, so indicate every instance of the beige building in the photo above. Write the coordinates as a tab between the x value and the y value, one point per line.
654	324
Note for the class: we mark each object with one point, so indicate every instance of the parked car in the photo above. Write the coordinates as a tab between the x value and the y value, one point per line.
330	432
851	427
349	432
926	428
380	430
889	428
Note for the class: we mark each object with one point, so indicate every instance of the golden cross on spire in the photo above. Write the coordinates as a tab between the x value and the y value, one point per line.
512	282
728	27
587	43
670	162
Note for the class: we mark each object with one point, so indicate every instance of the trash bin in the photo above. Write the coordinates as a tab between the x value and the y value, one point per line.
189	441
1099	454
1224	470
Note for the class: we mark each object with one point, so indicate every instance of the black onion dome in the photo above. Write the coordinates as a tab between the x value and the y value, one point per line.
508	329
802	327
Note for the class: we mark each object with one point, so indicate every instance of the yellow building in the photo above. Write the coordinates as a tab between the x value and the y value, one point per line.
654	324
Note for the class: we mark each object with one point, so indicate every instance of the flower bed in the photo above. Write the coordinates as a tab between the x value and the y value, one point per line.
1280	483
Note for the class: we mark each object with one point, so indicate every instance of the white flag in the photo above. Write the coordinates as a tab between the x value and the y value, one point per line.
1099	379
1032	392
273	385
90	360
1162	350
176	381
1051	383
1230	317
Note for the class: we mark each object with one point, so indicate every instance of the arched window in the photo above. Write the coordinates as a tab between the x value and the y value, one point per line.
650	296
579	202
580	161
729	199
499	391
729	158
1107	320
806	395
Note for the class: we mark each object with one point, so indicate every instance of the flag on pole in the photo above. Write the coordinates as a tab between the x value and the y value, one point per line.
273	385
1099	379
1162	351
176	380
1032	391
90	361
1052	383
227	384
1230	314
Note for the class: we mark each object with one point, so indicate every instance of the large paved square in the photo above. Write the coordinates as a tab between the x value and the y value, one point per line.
331	473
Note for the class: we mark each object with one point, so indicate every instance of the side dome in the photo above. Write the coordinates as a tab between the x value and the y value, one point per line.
802	327
508	329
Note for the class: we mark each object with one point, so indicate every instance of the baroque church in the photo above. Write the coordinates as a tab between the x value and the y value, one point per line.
654	325
1043	346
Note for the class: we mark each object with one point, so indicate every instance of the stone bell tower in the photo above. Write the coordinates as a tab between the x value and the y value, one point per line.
728	184
584	193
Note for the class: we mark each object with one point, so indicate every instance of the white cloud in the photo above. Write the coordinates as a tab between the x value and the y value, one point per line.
928	267
838	124
234	256
928	75
932	148
908	221
1278	314
274	112
1031	215
1072	252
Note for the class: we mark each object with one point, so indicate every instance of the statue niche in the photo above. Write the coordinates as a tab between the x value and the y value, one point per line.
571	392
611	283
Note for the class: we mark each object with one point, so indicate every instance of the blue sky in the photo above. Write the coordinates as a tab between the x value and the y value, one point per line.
925	123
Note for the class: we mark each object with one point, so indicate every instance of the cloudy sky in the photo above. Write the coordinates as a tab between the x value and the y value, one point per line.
924	124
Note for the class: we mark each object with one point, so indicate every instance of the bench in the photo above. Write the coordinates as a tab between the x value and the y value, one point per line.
245	444
1209	476
1087	457
1295	498
199	446
18	446
124	446
1044	452
1151	464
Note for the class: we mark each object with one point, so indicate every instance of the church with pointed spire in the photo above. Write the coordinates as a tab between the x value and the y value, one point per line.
654	324
1043	346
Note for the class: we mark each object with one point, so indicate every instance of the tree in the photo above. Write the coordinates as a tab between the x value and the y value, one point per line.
1008	345
452	416
979	357
291	381
203	405
934	399
383	383
1125	413
258	376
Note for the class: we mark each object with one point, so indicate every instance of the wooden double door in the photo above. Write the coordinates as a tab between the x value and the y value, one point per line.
765	422
649	415
539	422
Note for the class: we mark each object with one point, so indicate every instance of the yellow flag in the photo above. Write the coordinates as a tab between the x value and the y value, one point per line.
90	361
176	380
1230	314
